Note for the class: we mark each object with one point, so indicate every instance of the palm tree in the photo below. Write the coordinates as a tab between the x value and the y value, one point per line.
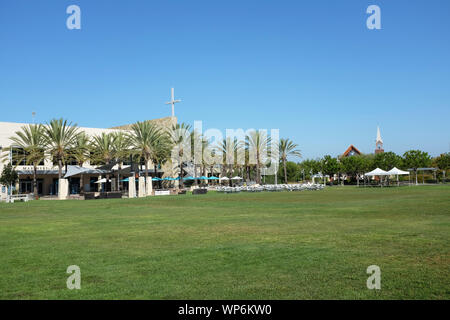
229	149
161	152
179	134
209	157
81	153
144	139
258	146
206	147
287	148
196	139
59	137
247	165
103	148
121	150
31	140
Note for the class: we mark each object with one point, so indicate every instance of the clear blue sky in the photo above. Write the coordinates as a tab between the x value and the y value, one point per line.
310	68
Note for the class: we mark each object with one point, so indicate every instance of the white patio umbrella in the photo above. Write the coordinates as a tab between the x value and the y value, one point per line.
74	170
101	181
224	178
397	172
377	172
236	178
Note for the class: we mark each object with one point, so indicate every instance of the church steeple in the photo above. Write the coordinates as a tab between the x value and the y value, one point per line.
379	142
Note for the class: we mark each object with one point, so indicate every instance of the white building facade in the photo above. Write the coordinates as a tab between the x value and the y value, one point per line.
47	171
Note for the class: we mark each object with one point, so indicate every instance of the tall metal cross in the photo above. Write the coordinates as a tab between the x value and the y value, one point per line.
172	102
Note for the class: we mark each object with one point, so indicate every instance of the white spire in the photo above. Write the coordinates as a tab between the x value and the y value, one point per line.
379	135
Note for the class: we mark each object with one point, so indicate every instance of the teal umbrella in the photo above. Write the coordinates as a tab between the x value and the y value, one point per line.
213	178
189	178
156	179
203	178
125	180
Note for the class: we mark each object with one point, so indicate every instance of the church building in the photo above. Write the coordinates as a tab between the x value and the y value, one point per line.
353	151
378	142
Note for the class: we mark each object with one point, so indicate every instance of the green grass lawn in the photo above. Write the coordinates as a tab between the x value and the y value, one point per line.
286	245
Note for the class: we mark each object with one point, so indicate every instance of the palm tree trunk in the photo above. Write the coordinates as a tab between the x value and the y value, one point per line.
118	177
258	180
59	168
285	171
195	175
276	174
155	168
204	173
35	189
146	173
181	174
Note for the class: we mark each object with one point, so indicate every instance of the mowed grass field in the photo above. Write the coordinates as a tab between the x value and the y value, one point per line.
287	245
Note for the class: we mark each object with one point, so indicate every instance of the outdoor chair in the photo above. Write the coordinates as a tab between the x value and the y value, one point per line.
89	195
200	191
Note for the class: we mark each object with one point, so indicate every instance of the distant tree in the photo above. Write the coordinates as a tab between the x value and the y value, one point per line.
9	176
415	159
227	147
287	148
309	167
121	151
81	153
292	172
196	140
31	140
387	160
353	166
206	146
368	162
179	135
258	145
103	149
59	139
162	148
442	162
330	165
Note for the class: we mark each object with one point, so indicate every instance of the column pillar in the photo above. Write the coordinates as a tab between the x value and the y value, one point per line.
149	186
141	191
63	189
131	187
